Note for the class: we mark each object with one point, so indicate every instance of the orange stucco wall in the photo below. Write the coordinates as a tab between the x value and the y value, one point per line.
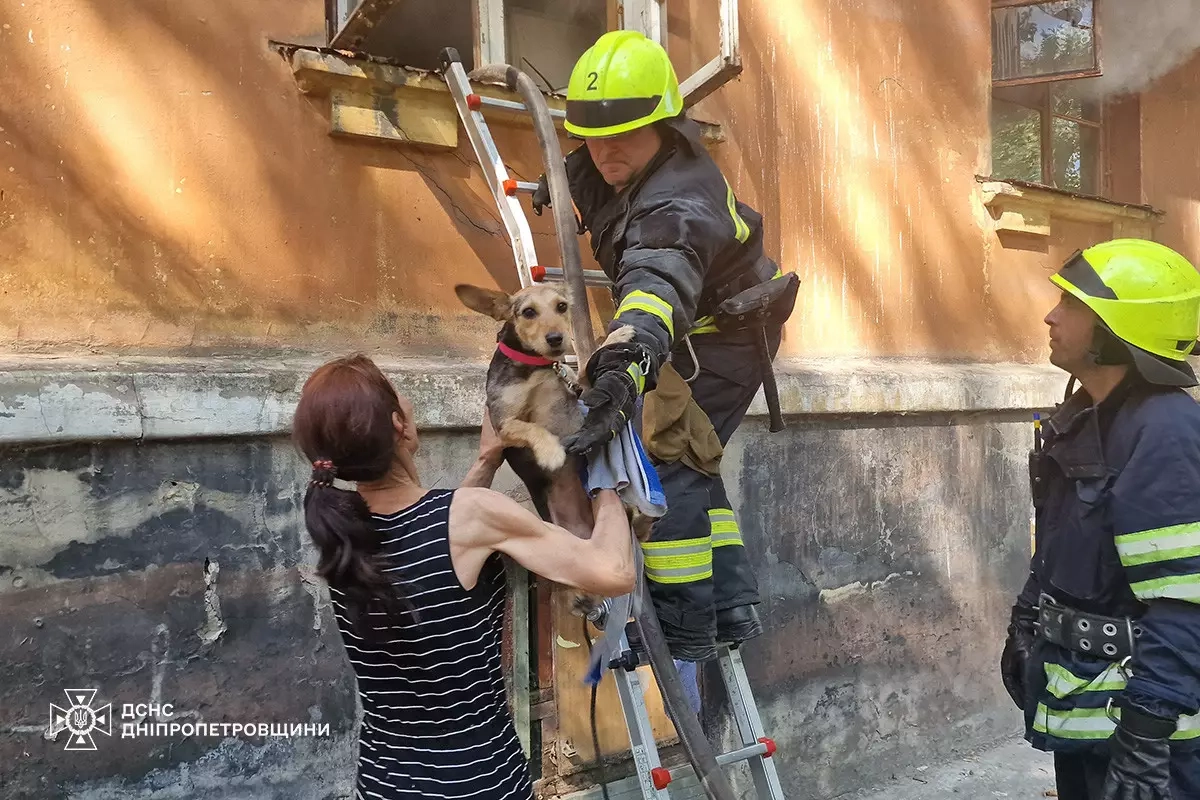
859	127
166	188
1171	160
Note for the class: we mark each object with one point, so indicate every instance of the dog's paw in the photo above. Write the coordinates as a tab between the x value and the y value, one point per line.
550	454
621	335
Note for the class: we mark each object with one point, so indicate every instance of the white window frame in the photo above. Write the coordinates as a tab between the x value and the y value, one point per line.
647	16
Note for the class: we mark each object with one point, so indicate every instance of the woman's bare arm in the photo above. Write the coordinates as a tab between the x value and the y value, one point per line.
484	521
491	455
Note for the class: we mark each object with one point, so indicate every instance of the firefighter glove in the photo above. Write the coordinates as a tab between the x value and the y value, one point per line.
1139	767
541	195
1017	650
617	374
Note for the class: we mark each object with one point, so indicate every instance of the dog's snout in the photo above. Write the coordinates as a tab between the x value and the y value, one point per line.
554	339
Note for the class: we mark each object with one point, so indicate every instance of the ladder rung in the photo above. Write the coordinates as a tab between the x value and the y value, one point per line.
764	747
477	101
511	187
591	277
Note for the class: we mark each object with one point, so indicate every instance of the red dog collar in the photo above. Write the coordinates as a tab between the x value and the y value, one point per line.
523	358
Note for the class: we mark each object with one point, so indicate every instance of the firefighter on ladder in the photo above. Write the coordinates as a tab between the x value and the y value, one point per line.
667	230
1103	652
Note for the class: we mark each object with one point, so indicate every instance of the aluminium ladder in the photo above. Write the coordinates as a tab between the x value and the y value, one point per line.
653	778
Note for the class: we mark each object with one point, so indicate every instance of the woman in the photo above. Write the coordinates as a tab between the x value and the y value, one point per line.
418	588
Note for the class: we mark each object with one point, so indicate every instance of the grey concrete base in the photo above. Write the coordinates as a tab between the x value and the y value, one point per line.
298	769
105	398
1012	769
152	546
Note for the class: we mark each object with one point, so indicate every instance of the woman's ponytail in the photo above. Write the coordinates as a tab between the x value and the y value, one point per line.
344	424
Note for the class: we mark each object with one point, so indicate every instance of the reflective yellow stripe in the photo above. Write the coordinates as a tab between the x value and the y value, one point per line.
1187	728
1091	723
655	548
1095	723
724	528
740	229
1162	544
652	304
639	377
1175	587
728	539
1061	682
683	561
1078	723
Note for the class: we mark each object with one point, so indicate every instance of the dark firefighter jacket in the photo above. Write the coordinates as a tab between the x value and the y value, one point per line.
1118	534
675	243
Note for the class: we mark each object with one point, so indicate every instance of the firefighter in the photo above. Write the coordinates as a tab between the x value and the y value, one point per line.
1103	650
667	229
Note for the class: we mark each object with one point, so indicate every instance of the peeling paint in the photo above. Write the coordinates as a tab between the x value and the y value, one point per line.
858	588
214	626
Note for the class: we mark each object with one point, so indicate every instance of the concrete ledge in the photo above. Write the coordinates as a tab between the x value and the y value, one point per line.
910	386
46	399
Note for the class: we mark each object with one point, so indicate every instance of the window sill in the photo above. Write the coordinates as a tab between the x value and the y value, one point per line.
1027	208
384	101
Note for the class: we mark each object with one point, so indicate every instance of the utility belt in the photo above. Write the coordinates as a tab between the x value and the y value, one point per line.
1111	638
757	308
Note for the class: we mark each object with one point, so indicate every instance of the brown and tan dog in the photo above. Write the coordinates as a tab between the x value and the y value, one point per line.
533	407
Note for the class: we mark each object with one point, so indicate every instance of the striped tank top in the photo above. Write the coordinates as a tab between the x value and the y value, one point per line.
435	722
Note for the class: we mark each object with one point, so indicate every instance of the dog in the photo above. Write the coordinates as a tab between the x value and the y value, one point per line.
532	402
531	406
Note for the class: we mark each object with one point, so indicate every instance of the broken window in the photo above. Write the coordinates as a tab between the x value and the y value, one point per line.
1044	41
541	37
1048	133
546	37
412	32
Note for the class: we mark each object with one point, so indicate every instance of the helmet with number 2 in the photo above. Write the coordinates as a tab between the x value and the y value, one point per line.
623	82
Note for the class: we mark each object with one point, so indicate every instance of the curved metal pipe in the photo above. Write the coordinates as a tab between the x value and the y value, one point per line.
699	750
564	214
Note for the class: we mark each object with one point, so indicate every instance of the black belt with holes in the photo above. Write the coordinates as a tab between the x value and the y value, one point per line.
1111	638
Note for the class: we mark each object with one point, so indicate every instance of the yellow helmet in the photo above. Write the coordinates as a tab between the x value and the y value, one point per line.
623	82
1146	295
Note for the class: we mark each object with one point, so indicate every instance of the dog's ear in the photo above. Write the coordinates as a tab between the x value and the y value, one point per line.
493	303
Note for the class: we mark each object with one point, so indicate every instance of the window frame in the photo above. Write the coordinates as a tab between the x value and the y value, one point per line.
488	19
1097	46
1046	138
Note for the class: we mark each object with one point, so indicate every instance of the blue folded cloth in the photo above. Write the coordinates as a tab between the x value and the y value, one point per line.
623	465
689	677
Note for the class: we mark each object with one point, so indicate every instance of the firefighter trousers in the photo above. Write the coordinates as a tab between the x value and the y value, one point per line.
696	561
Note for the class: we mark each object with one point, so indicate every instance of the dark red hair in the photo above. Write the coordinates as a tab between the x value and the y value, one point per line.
343	425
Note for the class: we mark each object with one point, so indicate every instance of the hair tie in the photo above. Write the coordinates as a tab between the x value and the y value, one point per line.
324	473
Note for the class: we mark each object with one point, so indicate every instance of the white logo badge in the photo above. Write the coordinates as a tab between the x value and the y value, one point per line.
80	720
